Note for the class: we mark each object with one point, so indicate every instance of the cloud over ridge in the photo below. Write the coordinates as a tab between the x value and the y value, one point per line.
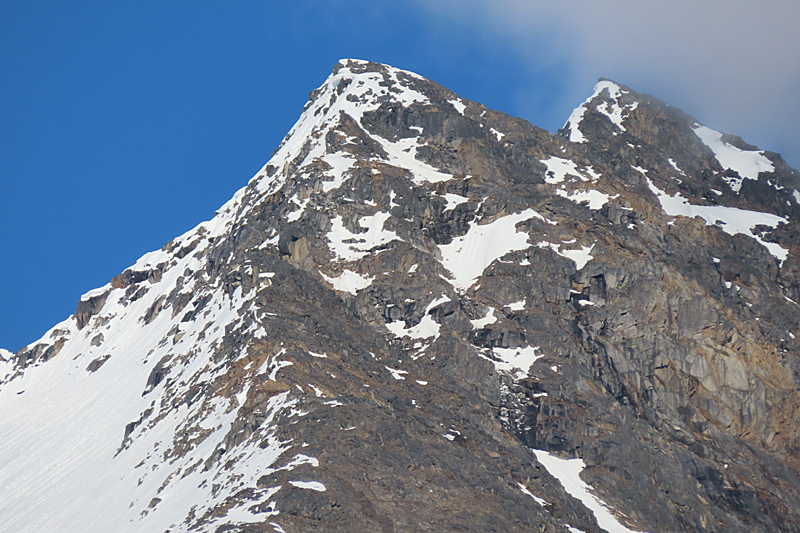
732	63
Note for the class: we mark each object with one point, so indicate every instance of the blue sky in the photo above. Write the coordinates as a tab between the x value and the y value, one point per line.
122	125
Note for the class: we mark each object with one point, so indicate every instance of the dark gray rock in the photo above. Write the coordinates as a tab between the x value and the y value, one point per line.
669	361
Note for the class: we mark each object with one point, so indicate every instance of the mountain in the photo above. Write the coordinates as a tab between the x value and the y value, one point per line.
425	315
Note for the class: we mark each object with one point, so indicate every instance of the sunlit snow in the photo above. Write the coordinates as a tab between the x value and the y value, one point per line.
459	105
310	485
558	169
466	257
517	306
747	163
592	198
567	471
426	328
349	281
615	112
454	200
353	94
675	166
396	374
350	246
485	321
85	413
732	220
516	360
573	123
537	499
580	256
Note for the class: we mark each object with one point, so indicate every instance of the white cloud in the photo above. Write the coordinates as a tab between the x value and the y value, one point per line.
734	64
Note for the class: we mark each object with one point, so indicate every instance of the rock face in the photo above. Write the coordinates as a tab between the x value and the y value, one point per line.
425	315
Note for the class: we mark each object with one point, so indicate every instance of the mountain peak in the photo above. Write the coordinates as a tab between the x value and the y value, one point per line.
609	99
418	304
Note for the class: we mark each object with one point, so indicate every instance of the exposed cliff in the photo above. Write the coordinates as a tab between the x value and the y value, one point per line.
415	313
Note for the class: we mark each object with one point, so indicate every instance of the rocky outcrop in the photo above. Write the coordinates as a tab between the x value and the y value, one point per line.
420	309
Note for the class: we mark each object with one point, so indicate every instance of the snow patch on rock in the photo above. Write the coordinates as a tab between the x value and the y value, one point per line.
348	246
558	169
592	198
580	256
732	220
516	361
612	109
537	499
310	485
426	328
567	472
485	321
458	104
454	200
349	281
747	163
466	257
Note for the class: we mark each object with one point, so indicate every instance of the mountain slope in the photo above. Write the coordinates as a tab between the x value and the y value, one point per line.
423	314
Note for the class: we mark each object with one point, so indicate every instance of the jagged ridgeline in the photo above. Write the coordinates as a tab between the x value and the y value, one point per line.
425	315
